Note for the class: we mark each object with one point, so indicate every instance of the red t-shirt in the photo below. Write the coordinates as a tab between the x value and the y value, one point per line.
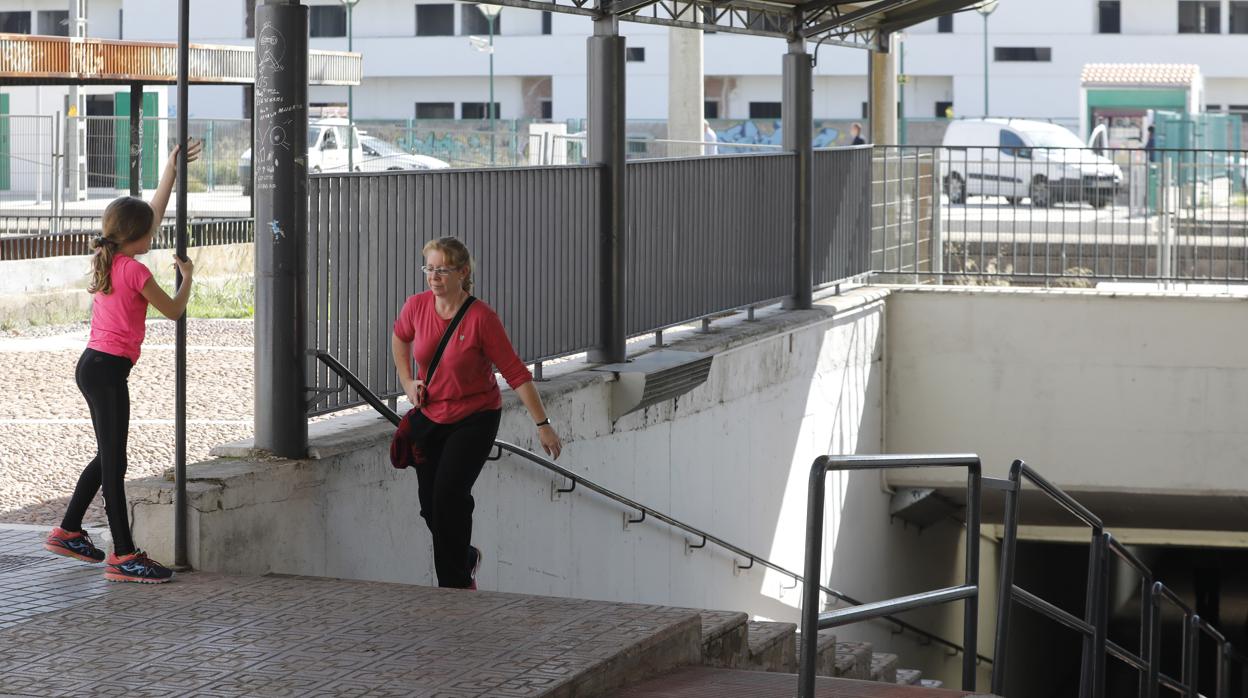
464	383
118	319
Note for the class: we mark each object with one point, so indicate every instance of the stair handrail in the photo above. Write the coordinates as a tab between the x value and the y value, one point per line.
353	381
967	592
1094	626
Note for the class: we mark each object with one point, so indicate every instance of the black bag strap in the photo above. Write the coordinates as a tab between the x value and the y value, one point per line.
446	339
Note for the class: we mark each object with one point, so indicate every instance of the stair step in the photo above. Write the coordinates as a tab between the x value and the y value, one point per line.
725	636
909	677
773	646
884	667
826	653
853	660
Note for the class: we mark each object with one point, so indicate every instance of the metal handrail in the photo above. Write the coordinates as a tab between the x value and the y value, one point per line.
350	379
813	620
1093	628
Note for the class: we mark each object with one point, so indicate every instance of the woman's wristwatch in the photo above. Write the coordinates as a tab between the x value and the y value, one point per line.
544	423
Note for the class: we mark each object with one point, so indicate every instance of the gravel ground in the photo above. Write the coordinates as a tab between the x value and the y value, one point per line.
45	433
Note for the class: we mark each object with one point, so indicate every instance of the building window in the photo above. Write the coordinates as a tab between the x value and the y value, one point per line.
710	109
1213	107
435	110
635	54
472	22
1241	109
764	110
435	20
15	22
1109	17
476	110
547	22
54	22
1200	17
944	24
327	20
548	109
1239	17
1034	54
944	110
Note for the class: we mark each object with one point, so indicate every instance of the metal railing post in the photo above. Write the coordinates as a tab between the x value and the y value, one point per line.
1191	654
1005	591
136	139
970	612
811	573
1154	642
938	237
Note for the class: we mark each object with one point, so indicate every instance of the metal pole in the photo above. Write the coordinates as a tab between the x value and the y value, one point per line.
812	574
985	66
798	121
180	559
901	93
350	92
606	148
1005	592
970	620
281	201
490	105
136	139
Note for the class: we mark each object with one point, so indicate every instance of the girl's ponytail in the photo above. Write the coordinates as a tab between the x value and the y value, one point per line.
126	219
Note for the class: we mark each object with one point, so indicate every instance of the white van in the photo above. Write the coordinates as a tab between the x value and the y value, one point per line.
1017	158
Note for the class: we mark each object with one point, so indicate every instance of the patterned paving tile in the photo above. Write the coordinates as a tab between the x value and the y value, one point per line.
212	635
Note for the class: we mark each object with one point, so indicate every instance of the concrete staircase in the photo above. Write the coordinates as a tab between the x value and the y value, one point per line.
732	641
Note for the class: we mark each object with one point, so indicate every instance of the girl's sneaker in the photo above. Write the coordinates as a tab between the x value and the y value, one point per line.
136	567
77	545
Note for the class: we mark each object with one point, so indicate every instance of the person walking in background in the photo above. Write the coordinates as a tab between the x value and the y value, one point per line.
709	136
456	341
122	288
1150	145
855	132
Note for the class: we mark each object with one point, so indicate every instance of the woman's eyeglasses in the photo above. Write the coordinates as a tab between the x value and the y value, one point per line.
437	271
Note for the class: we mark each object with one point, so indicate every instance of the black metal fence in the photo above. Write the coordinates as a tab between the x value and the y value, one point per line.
1061	214
35	237
705	235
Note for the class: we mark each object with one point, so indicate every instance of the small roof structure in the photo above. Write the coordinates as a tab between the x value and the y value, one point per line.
59	60
1140	75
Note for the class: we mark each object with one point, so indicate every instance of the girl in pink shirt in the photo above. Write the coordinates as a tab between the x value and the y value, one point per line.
455	416
121	288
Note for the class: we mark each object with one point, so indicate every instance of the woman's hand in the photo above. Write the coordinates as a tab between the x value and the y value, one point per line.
551	442
415	391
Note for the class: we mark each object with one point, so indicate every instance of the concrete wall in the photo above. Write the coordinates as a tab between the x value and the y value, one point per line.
1100	391
39	291
731	457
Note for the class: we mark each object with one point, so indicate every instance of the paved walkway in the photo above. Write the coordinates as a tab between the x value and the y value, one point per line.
212	635
703	682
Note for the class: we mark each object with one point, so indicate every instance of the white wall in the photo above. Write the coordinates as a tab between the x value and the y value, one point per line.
1098	391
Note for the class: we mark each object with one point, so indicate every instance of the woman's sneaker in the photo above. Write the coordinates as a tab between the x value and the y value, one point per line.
73	544
476	556
136	567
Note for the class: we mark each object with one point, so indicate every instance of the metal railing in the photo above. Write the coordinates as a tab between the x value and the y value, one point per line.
1062	215
1093	627
968	592
353	382
37	237
705	236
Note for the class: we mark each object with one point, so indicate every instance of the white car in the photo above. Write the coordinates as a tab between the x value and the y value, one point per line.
380	156
327	151
1017	158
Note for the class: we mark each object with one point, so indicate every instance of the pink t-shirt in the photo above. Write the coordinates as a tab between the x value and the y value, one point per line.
464	382
118	318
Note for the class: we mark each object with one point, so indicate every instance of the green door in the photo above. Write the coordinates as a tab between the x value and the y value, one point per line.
121	140
6	181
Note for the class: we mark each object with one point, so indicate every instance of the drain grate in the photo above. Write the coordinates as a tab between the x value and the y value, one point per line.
8	563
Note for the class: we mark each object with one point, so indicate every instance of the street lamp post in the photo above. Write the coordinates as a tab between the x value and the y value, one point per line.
350	90
902	79
491	12
984	9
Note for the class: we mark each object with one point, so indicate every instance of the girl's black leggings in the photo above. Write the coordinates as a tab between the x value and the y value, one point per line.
102	379
454	455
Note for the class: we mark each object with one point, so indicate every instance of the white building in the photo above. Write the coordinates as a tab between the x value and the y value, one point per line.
418	61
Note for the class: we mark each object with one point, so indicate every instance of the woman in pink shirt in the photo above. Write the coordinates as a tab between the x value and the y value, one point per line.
121	288
455	416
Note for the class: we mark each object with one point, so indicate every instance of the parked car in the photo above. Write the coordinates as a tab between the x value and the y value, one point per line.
1017	158
327	151
380	156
